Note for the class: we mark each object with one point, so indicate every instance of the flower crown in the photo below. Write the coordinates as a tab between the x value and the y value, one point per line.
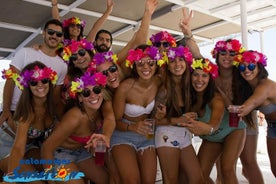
73	20
231	45
73	47
87	79
180	51
36	74
138	54
250	57
206	65
100	58
162	35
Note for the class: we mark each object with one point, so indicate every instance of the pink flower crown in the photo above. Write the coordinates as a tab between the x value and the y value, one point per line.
180	51
73	20
206	65
79	84
100	58
162	35
250	57
232	45
137	54
73	48
37	74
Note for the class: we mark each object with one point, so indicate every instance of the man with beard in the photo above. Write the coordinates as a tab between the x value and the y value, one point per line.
103	41
52	36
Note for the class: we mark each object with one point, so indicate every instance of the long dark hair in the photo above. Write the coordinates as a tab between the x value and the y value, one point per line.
208	95
67	34
25	104
172	104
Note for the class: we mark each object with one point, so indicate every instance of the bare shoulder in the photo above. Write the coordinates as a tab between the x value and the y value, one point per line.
126	84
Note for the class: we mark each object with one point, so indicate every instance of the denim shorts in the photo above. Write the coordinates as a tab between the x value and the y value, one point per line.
172	136
137	141
271	129
72	155
6	143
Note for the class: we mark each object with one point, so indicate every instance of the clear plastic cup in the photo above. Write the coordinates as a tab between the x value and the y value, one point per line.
150	134
100	152
234	119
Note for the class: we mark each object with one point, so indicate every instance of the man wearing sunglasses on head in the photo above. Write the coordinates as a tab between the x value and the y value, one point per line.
52	35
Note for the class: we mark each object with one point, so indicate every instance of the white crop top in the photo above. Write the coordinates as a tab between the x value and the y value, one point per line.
133	110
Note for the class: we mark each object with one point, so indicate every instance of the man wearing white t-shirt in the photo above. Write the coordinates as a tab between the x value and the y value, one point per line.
52	35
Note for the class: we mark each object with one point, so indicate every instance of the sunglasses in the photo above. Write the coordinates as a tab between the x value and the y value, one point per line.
80	52
141	63
75	25
251	67
52	32
87	92
224	52
111	69
43	81
158	44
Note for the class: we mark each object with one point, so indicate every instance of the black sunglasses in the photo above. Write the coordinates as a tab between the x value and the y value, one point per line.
43	81
251	67
158	44
87	92
75	25
80	52
224	52
52	32
111	69
141	63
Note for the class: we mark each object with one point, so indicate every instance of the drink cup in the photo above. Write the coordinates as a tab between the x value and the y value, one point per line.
152	128
100	152
234	119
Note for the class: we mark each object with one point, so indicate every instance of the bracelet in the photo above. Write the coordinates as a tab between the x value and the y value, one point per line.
211	131
127	127
54	4
187	37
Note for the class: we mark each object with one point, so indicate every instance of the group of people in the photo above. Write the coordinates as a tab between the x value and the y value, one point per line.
62	96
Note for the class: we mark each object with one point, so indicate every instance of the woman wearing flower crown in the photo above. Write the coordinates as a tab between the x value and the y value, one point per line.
172	142
76	127
34	117
133	153
251	65
234	92
74	27
219	139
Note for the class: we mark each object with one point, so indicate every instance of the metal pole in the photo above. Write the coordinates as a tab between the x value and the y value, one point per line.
244	31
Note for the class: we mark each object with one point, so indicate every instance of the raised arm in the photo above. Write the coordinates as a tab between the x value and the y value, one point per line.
140	37
98	24
55	12
188	35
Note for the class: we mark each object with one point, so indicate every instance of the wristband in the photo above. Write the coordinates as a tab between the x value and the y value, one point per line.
187	37
211	131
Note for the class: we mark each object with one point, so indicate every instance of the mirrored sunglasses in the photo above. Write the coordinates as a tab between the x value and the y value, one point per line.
224	52
80	52
43	81
111	69
52	32
158	44
141	63
87	92
251	67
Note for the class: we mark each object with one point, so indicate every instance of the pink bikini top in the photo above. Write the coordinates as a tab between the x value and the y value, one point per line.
82	140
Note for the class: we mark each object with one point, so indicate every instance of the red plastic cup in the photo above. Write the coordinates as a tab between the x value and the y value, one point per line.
100	152
234	119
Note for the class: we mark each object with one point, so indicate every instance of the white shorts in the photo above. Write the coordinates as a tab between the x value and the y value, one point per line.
172	136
